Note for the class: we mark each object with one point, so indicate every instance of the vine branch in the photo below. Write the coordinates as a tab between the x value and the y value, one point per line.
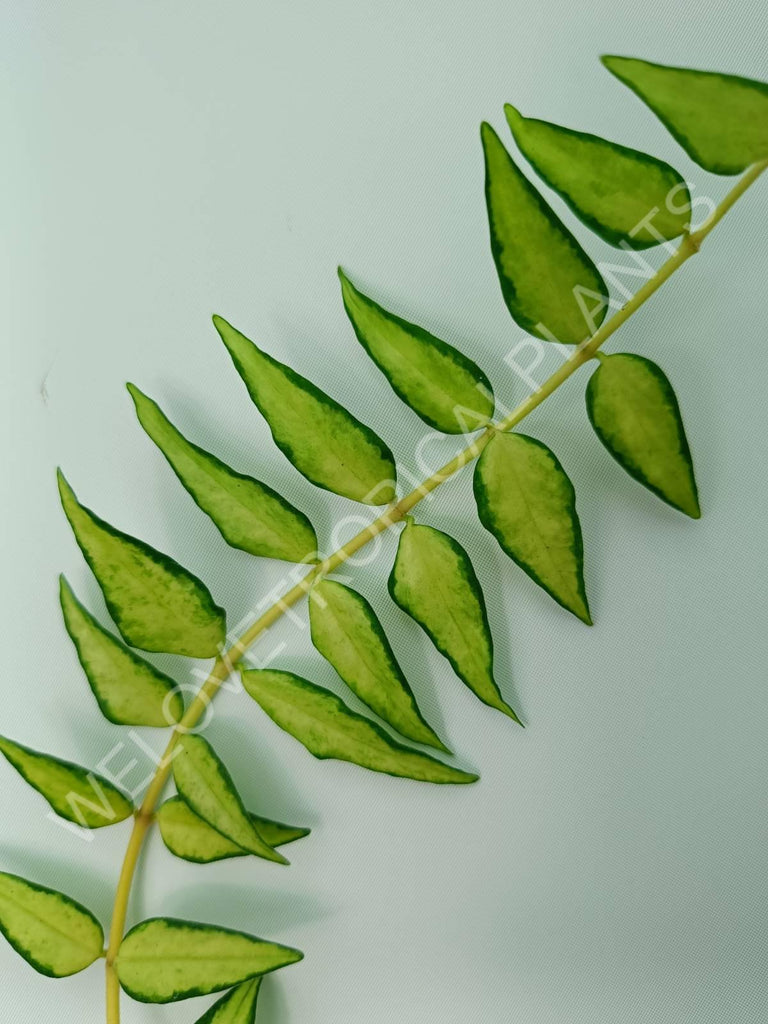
229	659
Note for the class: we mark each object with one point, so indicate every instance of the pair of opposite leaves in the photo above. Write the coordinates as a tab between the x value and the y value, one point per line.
191	831
345	630
433	581
524	497
130	690
627	197
161	960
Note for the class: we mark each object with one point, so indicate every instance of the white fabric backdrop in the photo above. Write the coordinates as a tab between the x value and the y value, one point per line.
165	161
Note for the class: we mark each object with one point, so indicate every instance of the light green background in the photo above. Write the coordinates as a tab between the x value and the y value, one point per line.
164	161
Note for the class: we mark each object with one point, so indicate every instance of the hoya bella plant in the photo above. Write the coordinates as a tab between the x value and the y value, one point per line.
524	498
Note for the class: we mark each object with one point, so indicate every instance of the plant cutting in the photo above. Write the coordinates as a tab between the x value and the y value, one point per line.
524	498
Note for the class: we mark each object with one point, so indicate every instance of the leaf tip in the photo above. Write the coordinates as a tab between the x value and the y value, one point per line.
221	325
610	60
228	334
513	115
66	594
65	491
348	290
693	511
493	147
511	713
280	859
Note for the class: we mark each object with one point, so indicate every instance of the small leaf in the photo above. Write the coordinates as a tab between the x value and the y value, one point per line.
625	196
347	633
442	386
721	121
54	934
527	502
250	515
163	960
205	784
323	441
187	836
551	287
73	792
156	604
635	414
329	729
434	582
128	689
236	1007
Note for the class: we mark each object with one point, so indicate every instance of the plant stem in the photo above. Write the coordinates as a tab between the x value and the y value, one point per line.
229	659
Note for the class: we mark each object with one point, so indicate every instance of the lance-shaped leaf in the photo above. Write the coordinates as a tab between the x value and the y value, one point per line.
250	515
721	121
324	724
236	1007
163	960
322	440
128	689
205	784
74	793
347	633
635	414
187	836
625	196
53	933
550	285
527	502
156	604
434	582
442	386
